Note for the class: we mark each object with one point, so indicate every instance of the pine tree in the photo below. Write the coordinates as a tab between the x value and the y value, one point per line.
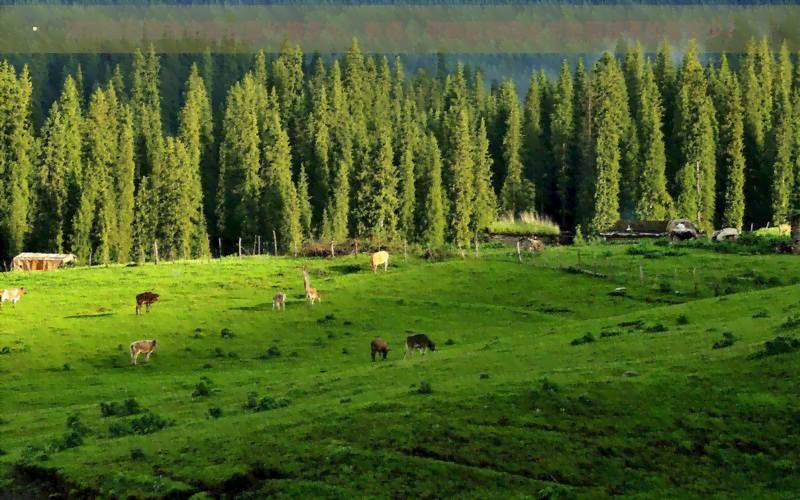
281	200
408	145
666	79
604	114
432	216
319	132
517	193
177	226
124	184
461	172
485	204
730	150
304	201
654	201
782	139
240	186
757	186
694	126
51	185
378	198
196	134
533	141
796	155
562	130
16	151
95	225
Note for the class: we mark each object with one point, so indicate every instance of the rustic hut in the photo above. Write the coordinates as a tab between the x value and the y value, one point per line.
682	229
40	261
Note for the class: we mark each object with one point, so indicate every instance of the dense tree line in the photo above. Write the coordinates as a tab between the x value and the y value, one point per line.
355	147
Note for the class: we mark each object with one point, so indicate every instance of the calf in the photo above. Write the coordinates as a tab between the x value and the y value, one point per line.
419	341
145	299
142	347
12	294
379	258
279	301
379	346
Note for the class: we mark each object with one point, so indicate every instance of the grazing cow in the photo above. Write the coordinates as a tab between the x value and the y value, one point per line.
379	258
379	346
311	295
418	341
279	301
145	347
11	294
145	299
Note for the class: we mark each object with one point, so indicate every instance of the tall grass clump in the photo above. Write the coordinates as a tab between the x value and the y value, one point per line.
525	223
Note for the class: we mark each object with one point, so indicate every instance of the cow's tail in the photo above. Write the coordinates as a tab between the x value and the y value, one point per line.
132	349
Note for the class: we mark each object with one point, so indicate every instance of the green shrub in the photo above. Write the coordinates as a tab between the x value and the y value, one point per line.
214	412
425	387
264	404
586	339
128	407
682	319
148	423
728	339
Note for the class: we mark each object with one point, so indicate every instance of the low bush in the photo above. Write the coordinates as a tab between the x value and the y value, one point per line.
147	423
728	339
586	339
127	408
264	404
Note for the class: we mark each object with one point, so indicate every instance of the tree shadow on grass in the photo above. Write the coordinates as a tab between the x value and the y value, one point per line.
347	268
88	316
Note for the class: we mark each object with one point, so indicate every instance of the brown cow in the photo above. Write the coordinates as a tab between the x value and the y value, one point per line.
536	245
379	346
418	341
142	347
145	299
12	294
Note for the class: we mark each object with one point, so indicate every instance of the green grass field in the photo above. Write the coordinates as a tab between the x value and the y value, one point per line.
524	396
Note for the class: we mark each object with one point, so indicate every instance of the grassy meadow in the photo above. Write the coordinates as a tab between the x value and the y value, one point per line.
525	396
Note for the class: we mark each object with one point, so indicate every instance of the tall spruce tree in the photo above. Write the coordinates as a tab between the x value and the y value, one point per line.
517	194
432	219
730	149
694	125
781	141
461	173
16	153
408	147
562	130
124	188
196	134
485	204
654	201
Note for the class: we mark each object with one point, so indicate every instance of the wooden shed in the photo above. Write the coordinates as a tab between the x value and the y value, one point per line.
40	261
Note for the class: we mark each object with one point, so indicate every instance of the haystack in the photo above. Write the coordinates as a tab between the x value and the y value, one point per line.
40	261
682	229
729	233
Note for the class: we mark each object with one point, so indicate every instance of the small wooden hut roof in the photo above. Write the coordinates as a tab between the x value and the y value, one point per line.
27	261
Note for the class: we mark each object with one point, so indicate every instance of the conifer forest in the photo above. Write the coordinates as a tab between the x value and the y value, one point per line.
103	155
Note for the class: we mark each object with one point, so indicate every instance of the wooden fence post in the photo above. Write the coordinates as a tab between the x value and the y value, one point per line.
294	246
155	251
356	254
240	247
405	256
476	245
219	248
275	242
519	255
91	250
259	244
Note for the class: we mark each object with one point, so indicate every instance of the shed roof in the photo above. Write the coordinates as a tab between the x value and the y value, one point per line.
61	257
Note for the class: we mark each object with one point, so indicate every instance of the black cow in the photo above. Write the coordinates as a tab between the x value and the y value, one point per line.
418	341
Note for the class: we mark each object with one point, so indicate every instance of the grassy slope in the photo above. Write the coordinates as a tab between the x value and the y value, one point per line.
698	423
